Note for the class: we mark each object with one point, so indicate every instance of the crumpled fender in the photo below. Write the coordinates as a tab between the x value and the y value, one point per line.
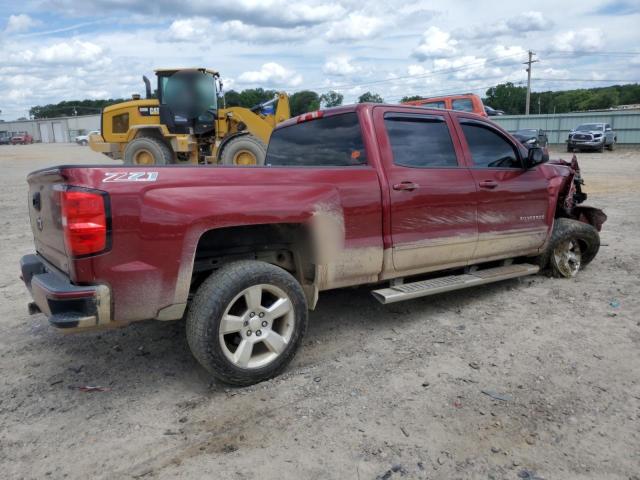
591	215
565	183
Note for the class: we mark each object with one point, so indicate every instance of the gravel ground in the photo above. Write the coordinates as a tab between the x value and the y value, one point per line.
529	378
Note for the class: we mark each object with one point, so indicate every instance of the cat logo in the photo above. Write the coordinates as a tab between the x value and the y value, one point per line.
149	111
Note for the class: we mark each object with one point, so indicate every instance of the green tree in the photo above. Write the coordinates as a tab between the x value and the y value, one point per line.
331	99
410	98
255	96
232	98
370	97
70	108
304	101
507	97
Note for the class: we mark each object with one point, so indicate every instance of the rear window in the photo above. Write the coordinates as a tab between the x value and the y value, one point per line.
463	104
334	141
439	105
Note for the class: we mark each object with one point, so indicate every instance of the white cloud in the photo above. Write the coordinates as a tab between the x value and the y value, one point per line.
237	30
529	22
68	53
340	65
517	25
509	55
20	23
272	74
189	30
355	26
584	40
435	43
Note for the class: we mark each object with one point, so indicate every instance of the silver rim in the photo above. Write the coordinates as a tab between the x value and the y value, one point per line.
568	256
257	326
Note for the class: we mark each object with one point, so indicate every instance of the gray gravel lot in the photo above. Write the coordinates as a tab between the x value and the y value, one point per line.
399	391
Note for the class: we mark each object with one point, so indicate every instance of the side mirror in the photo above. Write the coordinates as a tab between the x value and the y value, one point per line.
534	157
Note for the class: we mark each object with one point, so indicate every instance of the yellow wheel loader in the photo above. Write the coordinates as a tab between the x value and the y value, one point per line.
185	124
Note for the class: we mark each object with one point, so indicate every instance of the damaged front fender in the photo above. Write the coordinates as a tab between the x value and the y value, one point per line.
570	196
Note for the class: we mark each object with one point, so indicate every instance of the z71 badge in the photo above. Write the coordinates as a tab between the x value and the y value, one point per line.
149	111
130	177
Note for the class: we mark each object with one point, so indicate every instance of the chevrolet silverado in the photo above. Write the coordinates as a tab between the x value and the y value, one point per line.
408	200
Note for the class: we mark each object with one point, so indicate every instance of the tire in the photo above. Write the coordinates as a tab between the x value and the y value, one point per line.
148	151
611	147
226	293
243	150
570	237
600	149
84	143
569	149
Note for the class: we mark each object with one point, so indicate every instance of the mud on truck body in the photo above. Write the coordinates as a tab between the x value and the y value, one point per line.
410	201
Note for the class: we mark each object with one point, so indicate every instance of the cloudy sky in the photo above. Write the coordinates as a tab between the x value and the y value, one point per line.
52	50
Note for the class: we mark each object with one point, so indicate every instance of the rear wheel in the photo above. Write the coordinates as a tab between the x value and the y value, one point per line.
244	150
573	246
148	151
246	322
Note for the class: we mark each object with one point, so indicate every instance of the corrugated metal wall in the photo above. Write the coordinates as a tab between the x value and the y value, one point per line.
626	123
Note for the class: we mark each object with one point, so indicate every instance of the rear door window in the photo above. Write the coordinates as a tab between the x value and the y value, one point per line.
420	141
488	148
463	104
334	141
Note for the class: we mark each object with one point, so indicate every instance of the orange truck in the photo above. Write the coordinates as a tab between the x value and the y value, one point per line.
466	102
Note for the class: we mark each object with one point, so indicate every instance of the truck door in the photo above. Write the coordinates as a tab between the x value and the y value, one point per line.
432	192
512	202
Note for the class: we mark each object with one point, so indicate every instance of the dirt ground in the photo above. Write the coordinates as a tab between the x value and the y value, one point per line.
400	391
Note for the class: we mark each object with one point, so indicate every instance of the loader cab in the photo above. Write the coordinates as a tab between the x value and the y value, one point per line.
188	99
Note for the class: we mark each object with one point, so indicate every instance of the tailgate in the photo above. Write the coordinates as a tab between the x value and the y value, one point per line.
46	216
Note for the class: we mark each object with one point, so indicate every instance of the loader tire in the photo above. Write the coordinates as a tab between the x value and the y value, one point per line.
573	245
246	322
243	151
148	151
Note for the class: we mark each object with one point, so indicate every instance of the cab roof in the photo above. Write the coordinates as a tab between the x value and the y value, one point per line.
185	69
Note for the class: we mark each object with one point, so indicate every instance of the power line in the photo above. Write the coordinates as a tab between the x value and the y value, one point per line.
420	75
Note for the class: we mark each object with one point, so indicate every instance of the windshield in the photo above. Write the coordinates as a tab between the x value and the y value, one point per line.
587	127
189	93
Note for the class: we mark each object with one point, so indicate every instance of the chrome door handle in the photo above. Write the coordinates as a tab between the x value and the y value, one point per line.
488	184
406	186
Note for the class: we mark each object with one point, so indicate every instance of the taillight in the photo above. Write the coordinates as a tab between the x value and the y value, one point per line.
84	220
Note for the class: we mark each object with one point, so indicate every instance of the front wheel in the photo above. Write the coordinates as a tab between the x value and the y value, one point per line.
246	322
573	246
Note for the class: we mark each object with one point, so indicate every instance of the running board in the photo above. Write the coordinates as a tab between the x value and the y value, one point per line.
433	286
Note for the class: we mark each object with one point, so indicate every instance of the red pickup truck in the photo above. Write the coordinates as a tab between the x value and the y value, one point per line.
424	200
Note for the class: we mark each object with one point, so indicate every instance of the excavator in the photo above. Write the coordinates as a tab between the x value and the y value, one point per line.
186	125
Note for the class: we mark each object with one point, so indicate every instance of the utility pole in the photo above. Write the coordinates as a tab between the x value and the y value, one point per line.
528	64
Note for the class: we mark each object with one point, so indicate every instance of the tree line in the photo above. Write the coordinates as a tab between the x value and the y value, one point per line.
512	99
506	96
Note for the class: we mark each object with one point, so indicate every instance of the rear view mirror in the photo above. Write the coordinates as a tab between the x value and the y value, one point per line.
535	157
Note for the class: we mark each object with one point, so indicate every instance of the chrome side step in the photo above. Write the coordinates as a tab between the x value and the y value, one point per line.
433	286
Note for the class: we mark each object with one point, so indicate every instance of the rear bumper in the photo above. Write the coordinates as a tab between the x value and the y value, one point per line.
66	305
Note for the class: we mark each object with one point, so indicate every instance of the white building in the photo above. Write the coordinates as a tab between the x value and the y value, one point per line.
53	130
